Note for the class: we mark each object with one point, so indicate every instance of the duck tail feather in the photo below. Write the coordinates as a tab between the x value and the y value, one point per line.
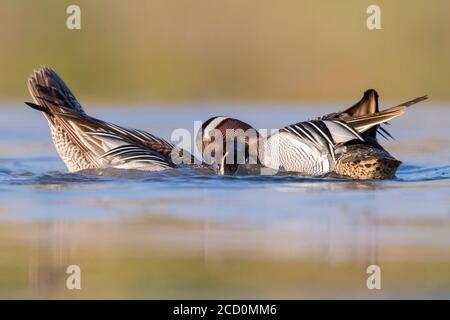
366	122
412	102
38	107
367	105
51	93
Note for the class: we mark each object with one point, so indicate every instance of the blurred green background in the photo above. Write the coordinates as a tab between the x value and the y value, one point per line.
233	50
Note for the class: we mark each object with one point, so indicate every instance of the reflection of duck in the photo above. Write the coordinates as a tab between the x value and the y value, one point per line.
84	142
342	143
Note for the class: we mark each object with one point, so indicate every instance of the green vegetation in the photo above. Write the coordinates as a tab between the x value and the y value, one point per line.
240	50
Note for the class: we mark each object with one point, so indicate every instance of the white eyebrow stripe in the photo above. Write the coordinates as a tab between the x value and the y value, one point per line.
213	125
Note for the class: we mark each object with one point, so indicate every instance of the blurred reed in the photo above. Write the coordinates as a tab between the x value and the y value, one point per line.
234	50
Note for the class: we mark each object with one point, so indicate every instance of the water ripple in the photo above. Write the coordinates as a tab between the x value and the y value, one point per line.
406	173
423	173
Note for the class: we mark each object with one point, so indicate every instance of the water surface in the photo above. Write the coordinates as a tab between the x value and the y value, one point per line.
195	236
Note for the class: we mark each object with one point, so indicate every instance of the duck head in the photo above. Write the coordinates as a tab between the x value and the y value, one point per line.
228	143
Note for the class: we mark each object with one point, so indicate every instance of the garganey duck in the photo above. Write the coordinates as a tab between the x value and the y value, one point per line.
342	143
228	141
84	142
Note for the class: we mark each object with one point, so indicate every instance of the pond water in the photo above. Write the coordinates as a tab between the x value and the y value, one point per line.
192	236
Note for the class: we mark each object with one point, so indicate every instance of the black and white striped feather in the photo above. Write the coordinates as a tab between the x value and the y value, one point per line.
99	142
323	134
118	144
134	153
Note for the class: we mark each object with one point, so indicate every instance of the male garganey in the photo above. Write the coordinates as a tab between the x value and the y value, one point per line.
342	143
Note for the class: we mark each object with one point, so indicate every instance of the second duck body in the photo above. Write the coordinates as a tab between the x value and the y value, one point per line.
342	143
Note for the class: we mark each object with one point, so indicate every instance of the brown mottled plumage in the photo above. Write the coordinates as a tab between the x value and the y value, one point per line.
363	161
368	160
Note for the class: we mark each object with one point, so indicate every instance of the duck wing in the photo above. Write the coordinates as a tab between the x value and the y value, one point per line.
323	134
103	143
367	105
366	112
363	123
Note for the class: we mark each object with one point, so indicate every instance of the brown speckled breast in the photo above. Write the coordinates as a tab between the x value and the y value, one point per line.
366	162
73	157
